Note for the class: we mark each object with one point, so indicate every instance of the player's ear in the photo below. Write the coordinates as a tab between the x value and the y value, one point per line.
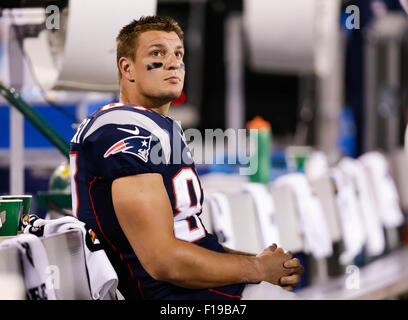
125	68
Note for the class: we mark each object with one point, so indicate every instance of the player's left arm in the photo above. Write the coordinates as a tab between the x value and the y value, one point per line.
229	250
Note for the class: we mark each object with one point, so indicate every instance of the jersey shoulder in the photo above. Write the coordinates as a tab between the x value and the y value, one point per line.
120	121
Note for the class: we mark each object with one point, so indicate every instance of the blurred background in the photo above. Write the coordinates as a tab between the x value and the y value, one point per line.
328	75
320	77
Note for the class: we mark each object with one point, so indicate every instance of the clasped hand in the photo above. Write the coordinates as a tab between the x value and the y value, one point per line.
280	268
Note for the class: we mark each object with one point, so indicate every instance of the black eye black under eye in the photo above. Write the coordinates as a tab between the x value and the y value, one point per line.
154	65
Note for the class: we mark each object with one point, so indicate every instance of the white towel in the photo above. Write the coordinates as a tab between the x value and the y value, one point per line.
2	218
354	235
371	222
313	223
35	266
102	277
385	191
221	217
265	210
316	165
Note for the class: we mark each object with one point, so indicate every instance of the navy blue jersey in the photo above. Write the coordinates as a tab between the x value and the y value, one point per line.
120	140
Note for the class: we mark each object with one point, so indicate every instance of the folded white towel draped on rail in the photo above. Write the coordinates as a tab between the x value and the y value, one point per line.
386	194
348	207
371	222
265	211
221	217
37	273
103	279
313	223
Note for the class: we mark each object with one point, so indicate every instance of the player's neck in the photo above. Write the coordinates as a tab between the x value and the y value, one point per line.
158	107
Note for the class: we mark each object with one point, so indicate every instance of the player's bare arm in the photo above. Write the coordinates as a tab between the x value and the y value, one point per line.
229	250
145	215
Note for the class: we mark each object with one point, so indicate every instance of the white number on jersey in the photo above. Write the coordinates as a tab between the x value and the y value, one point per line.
187	197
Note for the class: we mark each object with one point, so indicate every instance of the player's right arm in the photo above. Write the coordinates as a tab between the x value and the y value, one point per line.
144	212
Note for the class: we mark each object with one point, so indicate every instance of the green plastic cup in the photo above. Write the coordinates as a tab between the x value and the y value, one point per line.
25	207
10	211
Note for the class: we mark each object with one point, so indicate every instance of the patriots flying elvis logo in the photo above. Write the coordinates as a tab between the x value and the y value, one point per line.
139	146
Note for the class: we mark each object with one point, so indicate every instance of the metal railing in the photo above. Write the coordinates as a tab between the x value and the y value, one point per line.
12	96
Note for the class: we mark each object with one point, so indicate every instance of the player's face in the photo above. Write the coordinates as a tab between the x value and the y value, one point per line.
158	66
